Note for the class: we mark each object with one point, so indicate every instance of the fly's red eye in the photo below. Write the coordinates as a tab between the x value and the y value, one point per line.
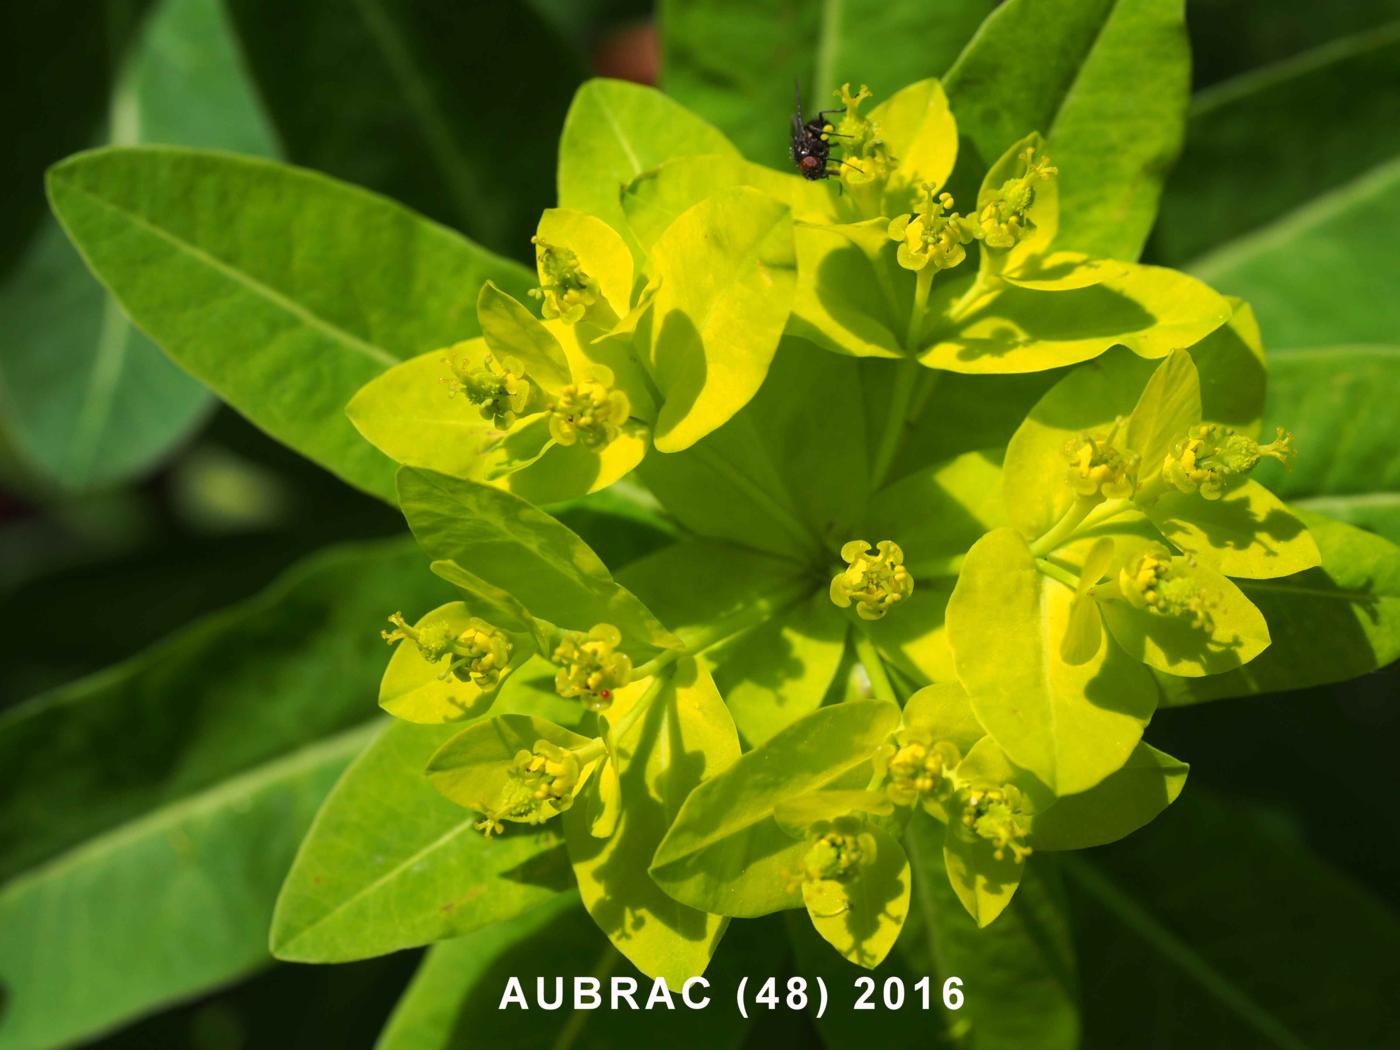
606	694
811	163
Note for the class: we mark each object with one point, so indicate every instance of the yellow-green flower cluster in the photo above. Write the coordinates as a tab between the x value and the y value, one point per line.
591	667
934	236
1004	219
865	156
1211	457
874	580
1164	585
540	784
995	814
498	388
480	653
590	411
565	291
838	851
920	768
1098	468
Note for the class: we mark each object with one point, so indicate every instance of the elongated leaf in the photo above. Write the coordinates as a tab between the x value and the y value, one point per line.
1025	957
736	66
685	736
1106	82
429	100
1070	725
726	852
174	789
283	290
1232	179
1338	403
507	543
87	399
1328	624
614	131
389	863
1302	302
1208	909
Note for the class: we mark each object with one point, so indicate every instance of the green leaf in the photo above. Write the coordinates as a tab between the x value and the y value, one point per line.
1148	309
1319	275
1328	624
935	515
174	789
390	864
1026	956
861	916
852	295
506	543
418	690
787	643
88	400
1106	82
684	737
1210	908
1233	634
726	270
1247	532
1232	179
1126	800
736	67
616	130
1339	403
725	852
1070	725
429	102
204	274
474	767
1170	404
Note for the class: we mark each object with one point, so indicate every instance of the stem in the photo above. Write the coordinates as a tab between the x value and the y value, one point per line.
923	390
1055	572
895	421
922	285
1105	511
874	668
1065	527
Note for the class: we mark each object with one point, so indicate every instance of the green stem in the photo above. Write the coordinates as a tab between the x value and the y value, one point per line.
1055	572
894	422
1063	529
923	284
923	390
874	668
1105	511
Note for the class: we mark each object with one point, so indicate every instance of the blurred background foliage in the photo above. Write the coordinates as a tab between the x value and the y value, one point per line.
1262	908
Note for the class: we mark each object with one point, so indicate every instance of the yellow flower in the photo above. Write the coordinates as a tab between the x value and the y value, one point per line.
874	580
498	388
1211	457
590	410
1004	219
591	667
1097	468
934	235
565	291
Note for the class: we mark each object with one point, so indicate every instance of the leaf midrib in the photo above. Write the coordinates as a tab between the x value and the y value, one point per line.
1215	984
377	354
349	742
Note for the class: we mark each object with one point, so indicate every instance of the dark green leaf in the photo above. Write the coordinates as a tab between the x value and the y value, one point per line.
1233	177
452	109
161	801
735	65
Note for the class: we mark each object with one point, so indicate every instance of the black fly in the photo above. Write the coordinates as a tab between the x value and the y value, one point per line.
810	149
